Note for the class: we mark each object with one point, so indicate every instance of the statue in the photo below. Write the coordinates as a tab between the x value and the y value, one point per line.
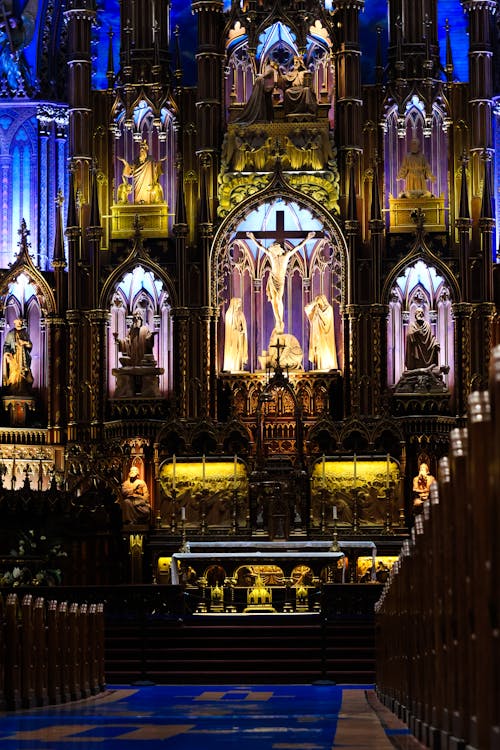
235	342
259	107
415	170
278	258
134	500
17	28
16	371
322	352
123	191
421	485
298	96
146	173
137	344
422	348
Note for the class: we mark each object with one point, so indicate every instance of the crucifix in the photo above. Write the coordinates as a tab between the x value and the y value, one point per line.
279	347
279	257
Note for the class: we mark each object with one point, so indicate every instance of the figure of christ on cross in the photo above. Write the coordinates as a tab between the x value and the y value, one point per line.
279	258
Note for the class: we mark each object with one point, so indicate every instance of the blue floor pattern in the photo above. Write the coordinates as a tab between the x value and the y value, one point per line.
267	717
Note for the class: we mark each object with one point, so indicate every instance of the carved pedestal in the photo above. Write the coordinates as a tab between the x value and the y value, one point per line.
18	408
137	381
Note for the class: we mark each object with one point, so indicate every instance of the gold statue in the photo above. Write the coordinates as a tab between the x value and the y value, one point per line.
421	486
145	173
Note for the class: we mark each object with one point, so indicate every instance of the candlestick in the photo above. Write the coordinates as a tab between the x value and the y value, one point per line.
388	471
323	468
173	471
203	471
355	472
334	512
183	513
235	470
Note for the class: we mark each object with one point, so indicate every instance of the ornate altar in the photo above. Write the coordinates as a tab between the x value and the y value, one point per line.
153	218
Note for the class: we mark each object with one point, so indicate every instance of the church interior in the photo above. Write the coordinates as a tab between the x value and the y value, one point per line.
249	305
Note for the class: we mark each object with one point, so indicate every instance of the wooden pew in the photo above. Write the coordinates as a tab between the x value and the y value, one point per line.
12	653
83	626
65	655
74	652
40	656
53	653
2	654
27	640
93	649
101	673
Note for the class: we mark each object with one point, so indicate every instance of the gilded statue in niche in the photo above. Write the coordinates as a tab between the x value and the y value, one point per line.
259	107
16	369
298	96
134	499
416	172
145	173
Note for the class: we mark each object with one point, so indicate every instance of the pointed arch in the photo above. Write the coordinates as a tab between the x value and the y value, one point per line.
240	269
420	281
140	284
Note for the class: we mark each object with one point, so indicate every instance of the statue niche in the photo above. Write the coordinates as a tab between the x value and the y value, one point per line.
422	373
138	373
140	193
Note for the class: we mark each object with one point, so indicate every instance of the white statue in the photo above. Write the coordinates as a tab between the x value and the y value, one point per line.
322	351
235	339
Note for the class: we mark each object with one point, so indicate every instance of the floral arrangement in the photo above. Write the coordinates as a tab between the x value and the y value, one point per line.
34	561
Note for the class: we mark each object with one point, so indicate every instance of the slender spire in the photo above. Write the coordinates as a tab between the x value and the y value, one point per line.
375	212
352	213
205	217
58	257
180	208
449	67
487	201
72	218
110	73
379	69
95	216
464	212
178	58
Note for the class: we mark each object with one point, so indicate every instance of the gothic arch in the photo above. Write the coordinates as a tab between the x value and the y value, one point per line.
140	284
238	269
420	280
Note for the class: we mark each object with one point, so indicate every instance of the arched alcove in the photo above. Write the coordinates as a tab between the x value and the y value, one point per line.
420	285
141	290
244	271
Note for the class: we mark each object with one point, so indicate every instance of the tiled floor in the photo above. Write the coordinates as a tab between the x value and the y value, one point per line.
294	717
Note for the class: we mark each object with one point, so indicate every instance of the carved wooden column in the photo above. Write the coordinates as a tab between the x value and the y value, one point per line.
180	317
462	312
98	380
205	320
353	320
56	396
482	332
74	322
378	355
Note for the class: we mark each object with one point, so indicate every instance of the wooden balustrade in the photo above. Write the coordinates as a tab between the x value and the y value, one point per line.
438	650
49	652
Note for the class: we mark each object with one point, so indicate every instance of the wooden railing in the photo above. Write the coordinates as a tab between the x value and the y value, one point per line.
438	623
50	652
